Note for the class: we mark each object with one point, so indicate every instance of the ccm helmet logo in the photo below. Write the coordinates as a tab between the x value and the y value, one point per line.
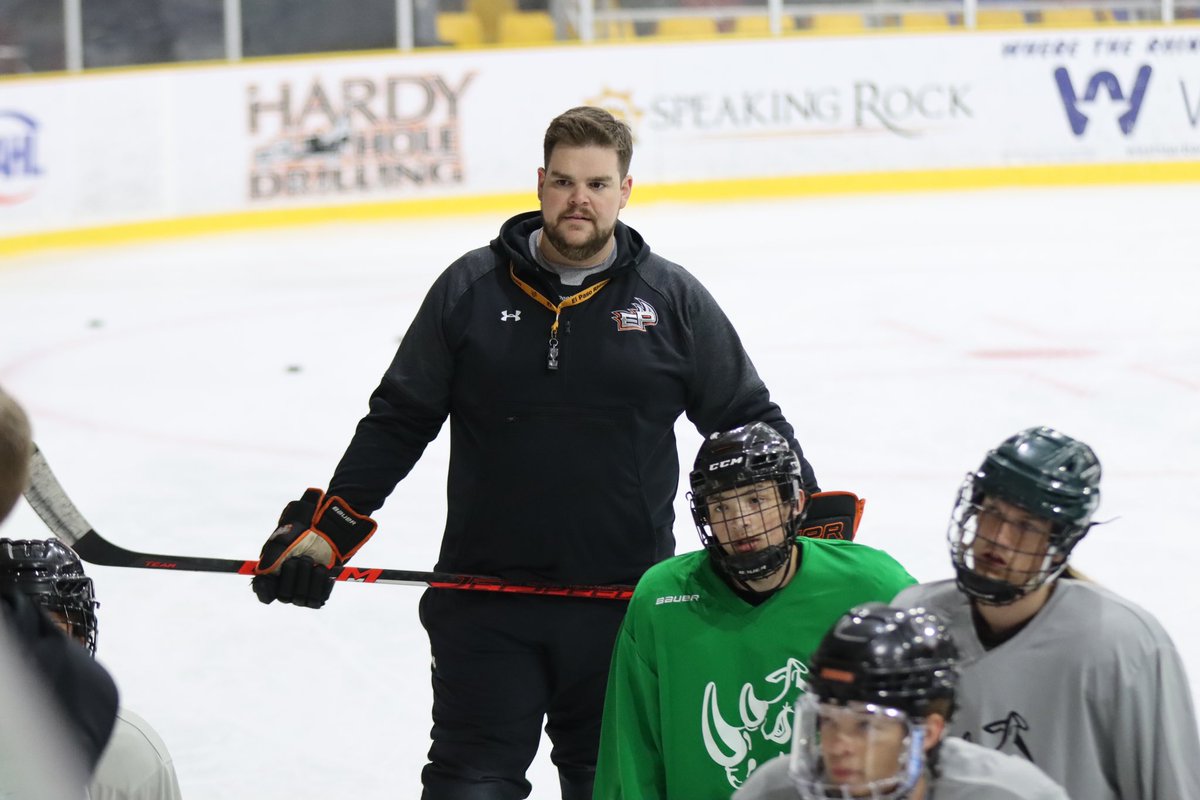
729	462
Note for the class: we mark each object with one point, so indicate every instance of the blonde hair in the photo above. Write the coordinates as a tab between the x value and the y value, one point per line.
16	446
1075	575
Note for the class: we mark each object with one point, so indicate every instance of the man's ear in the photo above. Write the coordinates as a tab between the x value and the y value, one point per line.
935	729
541	181
626	189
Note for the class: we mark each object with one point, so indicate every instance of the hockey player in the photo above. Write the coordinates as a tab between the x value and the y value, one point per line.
1060	671
880	691
562	355
16	448
33	649
713	651
135	765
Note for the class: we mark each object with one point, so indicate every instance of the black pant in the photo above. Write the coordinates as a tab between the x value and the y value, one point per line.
502	664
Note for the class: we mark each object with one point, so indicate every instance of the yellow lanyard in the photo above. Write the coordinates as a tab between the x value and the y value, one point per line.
573	300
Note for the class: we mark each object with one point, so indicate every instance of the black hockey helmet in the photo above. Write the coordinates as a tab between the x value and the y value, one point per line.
740	458
879	668
1044	473
51	575
887	656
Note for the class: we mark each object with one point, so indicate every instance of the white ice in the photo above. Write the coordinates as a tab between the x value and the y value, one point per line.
184	391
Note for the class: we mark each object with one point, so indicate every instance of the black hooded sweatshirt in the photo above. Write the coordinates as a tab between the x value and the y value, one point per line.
565	475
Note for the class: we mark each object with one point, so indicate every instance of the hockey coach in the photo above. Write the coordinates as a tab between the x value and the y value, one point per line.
562	353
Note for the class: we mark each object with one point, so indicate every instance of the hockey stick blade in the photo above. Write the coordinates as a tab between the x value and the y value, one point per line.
47	497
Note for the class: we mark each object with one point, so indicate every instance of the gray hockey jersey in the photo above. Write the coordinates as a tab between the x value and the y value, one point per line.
135	765
966	772
1092	690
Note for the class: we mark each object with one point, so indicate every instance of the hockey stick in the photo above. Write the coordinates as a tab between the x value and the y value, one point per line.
47	497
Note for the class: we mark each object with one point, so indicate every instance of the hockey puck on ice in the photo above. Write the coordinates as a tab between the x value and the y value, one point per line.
293	367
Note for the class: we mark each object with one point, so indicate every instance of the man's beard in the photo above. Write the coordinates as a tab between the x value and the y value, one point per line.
577	252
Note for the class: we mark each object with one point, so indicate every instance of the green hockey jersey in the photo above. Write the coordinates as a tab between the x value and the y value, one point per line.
703	684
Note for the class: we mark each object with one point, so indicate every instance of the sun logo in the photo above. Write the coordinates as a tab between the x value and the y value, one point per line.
620	105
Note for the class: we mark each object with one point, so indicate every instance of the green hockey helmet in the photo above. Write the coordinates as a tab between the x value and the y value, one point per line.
1044	473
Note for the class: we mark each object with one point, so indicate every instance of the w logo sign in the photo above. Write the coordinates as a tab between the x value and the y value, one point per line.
1109	83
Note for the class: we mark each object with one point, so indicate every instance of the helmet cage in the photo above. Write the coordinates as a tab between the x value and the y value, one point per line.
1046	474
964	533
881	743
74	598
752	565
50	575
738	460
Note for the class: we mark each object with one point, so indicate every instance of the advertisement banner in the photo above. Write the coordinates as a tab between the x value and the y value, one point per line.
140	146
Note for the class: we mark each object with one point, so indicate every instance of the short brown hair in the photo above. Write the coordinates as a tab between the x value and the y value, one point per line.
16	446
585	126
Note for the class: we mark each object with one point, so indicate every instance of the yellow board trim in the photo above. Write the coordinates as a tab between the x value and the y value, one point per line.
698	192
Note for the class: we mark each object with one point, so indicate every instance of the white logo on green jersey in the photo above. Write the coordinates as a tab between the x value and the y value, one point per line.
732	746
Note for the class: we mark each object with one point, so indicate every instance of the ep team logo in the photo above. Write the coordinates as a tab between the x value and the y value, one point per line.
1107	82
19	168
638	317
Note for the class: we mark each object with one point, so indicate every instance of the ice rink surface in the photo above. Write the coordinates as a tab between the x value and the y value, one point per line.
185	391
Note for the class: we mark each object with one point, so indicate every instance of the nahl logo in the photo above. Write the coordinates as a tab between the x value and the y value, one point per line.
1108	82
514	316
677	598
638	317
20	170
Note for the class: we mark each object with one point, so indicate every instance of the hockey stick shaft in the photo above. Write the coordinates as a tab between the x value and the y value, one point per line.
47	497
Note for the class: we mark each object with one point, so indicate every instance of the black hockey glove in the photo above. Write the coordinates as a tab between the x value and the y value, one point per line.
315	537
833	515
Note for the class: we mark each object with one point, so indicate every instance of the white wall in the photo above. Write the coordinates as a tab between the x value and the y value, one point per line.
133	146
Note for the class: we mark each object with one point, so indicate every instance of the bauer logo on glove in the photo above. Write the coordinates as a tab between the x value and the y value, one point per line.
315	538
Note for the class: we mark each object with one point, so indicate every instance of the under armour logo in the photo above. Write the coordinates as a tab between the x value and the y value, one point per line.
638	317
515	316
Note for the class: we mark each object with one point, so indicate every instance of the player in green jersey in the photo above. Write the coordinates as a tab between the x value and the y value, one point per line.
713	651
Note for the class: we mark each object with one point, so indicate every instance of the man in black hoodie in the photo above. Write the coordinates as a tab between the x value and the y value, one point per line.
562	353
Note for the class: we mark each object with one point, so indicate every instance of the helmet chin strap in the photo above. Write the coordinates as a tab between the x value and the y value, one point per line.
988	590
1002	593
757	566
776	559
